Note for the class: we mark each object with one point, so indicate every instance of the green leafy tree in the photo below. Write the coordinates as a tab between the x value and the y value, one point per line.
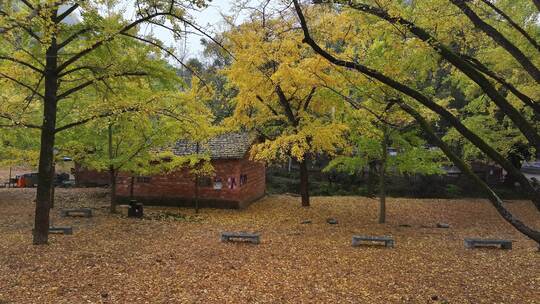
53	56
386	143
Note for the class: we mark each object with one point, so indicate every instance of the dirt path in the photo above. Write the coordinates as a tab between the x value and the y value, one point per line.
176	256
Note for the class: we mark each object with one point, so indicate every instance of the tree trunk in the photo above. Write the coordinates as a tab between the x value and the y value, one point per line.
43	196
112	181
197	194
382	178
371	179
112	171
304	183
53	171
537	3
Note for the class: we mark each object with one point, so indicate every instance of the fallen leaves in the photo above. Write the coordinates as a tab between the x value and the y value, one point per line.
175	256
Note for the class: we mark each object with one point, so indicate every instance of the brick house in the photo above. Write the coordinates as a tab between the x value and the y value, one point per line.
237	181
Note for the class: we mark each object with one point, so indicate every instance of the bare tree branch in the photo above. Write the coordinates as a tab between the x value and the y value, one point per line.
87	83
94	117
26	64
21	84
192	71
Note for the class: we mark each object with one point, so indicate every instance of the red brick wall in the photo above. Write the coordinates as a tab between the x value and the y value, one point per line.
178	188
255	187
87	177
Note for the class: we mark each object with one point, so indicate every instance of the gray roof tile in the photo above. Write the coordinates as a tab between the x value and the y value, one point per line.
224	146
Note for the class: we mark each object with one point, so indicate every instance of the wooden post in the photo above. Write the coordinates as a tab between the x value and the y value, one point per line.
197	194
304	182
131	187
112	171
197	184
9	180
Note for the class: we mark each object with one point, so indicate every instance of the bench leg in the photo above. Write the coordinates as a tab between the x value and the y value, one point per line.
506	246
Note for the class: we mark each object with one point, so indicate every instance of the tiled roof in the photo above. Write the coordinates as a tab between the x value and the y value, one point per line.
224	146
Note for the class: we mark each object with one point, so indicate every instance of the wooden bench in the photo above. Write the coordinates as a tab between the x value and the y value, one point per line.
473	243
358	239
85	212
244	236
61	230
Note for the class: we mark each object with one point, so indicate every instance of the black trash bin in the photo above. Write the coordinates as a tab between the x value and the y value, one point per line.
135	209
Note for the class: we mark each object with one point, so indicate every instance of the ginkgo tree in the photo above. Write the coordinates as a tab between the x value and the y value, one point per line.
386	141
280	97
54	53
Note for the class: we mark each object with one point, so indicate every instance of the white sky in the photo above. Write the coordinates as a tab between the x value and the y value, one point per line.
209	19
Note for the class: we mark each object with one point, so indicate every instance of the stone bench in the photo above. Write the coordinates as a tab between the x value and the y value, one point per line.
85	212
244	236
473	243
358	239
61	230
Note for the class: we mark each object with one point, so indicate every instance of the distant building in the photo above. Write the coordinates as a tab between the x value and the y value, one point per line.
491	174
236	182
531	170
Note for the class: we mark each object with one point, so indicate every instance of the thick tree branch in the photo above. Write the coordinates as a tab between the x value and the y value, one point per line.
500	79
537	3
500	39
26	64
62	16
284	102
259	98
309	98
512	23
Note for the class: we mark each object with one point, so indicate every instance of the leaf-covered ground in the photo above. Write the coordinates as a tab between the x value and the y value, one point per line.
175	256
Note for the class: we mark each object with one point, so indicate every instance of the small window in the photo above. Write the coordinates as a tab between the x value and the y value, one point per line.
204	181
143	179
243	179
218	183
